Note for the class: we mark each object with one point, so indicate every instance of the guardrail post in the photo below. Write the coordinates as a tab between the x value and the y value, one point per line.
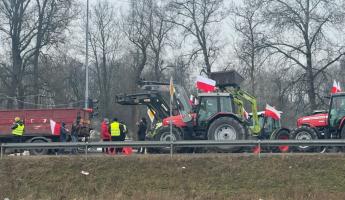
171	148
2	150
86	150
259	144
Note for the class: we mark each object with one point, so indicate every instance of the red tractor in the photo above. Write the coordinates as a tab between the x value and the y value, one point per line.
323	124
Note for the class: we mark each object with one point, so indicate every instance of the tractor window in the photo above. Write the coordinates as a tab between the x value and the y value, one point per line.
337	111
225	104
208	107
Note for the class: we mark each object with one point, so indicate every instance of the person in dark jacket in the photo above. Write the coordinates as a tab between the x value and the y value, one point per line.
142	127
76	127
63	135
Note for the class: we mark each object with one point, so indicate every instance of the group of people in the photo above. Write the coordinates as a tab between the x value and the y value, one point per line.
113	131
116	131
110	131
74	134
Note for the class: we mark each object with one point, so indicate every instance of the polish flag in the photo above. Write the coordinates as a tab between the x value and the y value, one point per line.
205	84
334	87
272	112
55	127
338	87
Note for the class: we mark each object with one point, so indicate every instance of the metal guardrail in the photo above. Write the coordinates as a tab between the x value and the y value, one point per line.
172	145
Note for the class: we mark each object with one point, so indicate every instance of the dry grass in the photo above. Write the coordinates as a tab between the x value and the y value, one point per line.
160	177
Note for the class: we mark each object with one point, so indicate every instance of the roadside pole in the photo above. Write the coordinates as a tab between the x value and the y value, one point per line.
87	57
171	90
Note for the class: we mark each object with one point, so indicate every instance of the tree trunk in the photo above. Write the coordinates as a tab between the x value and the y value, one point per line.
252	72
206	60
310	82
36	86
156	67
141	65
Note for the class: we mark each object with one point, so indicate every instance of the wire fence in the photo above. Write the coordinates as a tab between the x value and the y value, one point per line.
172	145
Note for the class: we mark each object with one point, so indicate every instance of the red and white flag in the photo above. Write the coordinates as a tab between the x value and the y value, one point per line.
205	84
272	112
55	127
338	87
334	88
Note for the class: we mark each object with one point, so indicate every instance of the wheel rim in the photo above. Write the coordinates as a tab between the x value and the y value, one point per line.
303	136
225	132
38	151
283	148
168	137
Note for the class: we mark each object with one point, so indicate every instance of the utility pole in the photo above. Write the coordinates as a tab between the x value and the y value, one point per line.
87	56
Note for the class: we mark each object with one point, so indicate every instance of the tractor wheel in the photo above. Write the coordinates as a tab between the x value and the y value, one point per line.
38	152
305	133
281	134
342	136
225	129
163	134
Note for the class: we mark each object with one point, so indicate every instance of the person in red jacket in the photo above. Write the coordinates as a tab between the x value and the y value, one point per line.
105	135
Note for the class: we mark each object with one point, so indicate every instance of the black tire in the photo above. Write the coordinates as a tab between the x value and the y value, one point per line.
224	129
38	152
305	133
281	134
342	137
163	134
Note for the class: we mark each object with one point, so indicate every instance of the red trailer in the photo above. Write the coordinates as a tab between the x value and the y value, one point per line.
37	123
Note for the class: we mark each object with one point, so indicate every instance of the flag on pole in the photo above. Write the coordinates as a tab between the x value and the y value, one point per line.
55	127
334	88
338	87
151	114
272	112
171	87
205	84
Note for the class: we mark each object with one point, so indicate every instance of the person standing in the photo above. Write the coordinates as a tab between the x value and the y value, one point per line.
63	136
105	134
115	131
142	127
124	131
18	129
76	126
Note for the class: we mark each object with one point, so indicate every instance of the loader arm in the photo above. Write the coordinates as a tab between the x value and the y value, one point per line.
152	100
239	96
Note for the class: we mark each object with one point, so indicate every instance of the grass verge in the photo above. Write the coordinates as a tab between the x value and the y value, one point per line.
181	177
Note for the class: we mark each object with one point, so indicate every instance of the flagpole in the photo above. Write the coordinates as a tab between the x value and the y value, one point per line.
171	89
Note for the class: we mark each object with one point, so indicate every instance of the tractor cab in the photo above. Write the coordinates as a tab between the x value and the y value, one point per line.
212	105
336	114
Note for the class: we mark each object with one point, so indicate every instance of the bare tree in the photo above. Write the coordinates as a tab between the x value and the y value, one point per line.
29	25
17	25
301	32
105	40
53	17
138	29
249	23
159	37
197	18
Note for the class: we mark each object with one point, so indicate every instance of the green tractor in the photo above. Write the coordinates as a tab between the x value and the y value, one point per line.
218	115
271	129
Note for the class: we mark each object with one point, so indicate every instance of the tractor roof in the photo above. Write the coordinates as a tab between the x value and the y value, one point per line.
338	94
213	94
